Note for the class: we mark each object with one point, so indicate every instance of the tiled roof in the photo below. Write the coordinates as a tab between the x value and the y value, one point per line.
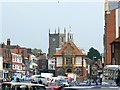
117	40
76	50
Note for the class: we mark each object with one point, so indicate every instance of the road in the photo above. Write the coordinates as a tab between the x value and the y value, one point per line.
91	88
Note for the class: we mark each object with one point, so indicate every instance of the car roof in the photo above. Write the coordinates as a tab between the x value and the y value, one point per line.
20	83
75	87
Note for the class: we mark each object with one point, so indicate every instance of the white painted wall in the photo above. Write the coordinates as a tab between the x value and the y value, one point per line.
17	67
117	27
18	59
117	22
59	61
33	60
51	64
78	61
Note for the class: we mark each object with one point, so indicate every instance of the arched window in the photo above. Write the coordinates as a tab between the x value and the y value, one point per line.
77	71
69	70
61	71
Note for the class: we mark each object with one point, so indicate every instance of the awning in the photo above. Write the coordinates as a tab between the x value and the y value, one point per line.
34	64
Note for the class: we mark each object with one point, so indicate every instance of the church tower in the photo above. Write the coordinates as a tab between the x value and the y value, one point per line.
56	40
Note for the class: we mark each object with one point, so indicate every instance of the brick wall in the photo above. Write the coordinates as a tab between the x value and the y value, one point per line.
117	53
82	76
110	22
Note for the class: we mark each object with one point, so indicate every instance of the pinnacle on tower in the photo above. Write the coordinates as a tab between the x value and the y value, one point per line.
55	31
64	30
49	30
58	30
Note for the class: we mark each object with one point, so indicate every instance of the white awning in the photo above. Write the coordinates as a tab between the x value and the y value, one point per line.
34	64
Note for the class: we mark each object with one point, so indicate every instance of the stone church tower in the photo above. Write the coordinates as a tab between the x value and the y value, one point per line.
56	40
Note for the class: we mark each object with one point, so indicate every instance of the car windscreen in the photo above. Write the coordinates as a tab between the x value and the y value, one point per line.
6	86
37	88
20	87
53	84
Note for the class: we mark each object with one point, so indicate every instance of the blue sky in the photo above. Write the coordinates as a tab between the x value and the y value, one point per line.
27	23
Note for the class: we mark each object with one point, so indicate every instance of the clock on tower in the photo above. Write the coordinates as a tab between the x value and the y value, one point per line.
53	39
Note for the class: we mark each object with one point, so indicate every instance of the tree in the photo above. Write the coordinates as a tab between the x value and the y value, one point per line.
36	51
93	54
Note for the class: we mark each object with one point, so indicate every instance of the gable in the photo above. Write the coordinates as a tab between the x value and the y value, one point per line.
69	49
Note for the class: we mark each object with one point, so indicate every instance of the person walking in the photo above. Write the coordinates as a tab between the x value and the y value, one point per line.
17	80
101	76
96	81
118	79
40	81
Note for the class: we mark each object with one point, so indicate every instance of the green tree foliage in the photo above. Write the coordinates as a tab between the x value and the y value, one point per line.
93	54
36	51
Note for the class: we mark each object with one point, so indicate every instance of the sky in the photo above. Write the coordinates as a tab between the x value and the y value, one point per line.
27	22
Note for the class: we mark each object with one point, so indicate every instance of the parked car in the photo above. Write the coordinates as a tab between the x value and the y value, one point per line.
55	86
36	78
48	88
77	88
22	86
64	82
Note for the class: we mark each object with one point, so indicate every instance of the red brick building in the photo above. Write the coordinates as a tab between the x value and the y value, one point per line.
7	51
42	61
115	49
69	59
112	23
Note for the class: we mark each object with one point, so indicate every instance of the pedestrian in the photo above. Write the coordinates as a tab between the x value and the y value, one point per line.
96	81
12	79
118	79
17	80
101	76
40	81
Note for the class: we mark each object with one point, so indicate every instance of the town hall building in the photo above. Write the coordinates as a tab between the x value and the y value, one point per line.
69	59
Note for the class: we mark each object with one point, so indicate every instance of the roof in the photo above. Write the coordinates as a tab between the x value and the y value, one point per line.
112	67
22	83
117	40
111	5
75	49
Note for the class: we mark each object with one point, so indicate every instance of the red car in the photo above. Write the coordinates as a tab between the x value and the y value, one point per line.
55	86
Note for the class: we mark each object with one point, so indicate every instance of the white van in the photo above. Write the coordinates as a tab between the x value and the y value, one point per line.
36	78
